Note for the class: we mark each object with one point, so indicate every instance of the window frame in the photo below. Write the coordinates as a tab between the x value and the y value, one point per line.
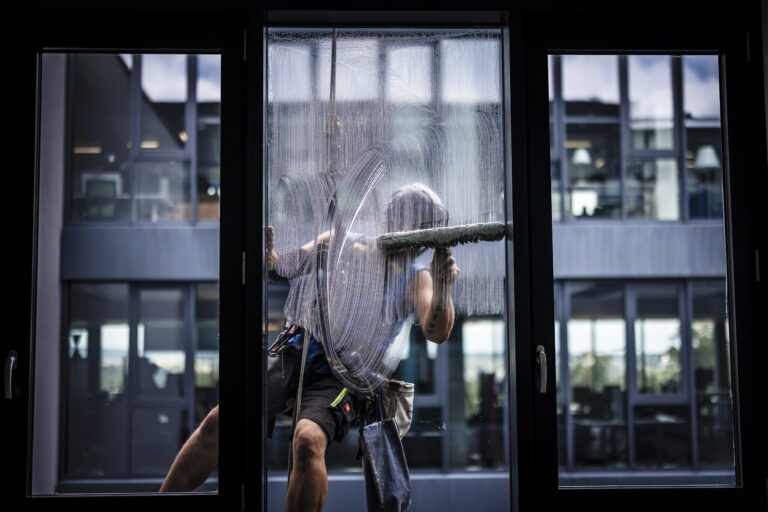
731	35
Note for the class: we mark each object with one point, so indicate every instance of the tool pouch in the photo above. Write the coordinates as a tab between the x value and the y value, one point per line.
397	403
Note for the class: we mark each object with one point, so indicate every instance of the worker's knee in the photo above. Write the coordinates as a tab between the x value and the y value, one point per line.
309	441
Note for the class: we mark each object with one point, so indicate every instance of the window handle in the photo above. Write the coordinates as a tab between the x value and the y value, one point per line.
541	357
10	364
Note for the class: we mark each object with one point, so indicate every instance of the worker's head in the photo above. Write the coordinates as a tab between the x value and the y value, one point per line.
415	206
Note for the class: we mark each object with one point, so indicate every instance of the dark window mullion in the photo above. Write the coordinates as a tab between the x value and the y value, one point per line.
191	126
189	378
630	314
624	143
134	127
680	136
686	329
133	366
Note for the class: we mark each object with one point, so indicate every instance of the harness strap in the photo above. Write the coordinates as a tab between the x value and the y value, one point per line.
297	407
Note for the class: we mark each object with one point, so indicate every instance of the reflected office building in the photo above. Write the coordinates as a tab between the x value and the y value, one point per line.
129	266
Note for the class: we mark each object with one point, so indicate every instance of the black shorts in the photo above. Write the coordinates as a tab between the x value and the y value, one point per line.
324	400
329	404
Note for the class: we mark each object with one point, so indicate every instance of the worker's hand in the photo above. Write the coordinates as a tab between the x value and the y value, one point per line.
443	268
269	247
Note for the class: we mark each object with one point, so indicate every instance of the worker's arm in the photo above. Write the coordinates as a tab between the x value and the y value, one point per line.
431	292
272	255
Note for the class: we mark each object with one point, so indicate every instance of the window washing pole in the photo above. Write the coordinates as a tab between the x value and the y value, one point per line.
332	130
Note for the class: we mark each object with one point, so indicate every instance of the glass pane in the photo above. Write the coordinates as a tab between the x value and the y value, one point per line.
657	339
705	172
161	339
96	371
162	191
100	136
652	189
208	136
138	371
596	363
594	172
711	352
644	389
591	85
163	102
650	102
400	137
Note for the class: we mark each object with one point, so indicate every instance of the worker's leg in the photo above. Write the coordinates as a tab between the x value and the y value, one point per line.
309	481
197	458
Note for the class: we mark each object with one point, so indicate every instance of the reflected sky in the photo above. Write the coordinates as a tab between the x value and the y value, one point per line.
164	77
701	86
209	78
650	87
591	78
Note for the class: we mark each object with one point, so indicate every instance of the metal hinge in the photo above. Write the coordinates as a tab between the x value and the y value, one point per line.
243	268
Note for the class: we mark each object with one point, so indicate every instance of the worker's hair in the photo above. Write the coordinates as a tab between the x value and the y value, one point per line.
415	206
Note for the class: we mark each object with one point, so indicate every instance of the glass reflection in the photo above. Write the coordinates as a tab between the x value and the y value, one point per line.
704	157
657	339
597	370
161	342
96	376
714	399
162	191
653	189
701	87
101	142
593	170
591	85
208	136
164	95
650	101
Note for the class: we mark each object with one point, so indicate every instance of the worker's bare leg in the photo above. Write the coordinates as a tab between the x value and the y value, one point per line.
197	458
309	481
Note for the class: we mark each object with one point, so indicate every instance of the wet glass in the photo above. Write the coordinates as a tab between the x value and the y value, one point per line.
404	99
653	189
594	172
651	113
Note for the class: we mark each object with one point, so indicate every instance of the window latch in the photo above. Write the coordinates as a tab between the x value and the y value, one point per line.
541	357
10	363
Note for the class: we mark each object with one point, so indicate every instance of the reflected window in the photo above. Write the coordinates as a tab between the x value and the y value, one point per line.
594	188
652	189
208	136
704	157
161	342
597	368
96	373
651	114
714	400
657	339
162	191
